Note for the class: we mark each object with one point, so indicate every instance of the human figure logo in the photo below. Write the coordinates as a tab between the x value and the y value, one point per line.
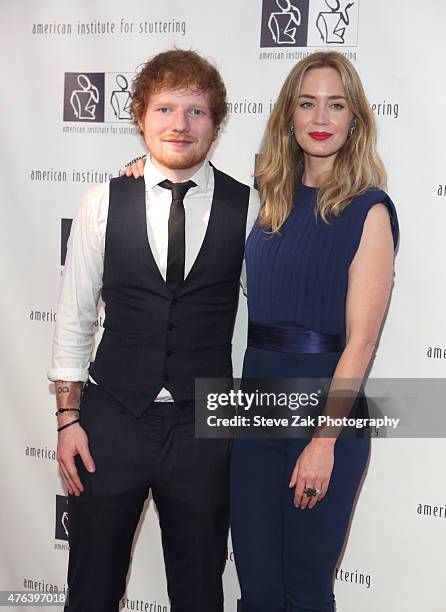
62	526
64	522
283	25
332	24
84	96
309	23
65	229
121	99
84	100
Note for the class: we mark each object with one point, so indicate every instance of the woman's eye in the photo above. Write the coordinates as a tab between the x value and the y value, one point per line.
338	106
306	105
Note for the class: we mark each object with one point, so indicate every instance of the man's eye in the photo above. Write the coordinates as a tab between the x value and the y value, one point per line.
196	112
164	110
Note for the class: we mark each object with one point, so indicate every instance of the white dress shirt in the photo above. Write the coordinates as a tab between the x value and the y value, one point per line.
82	278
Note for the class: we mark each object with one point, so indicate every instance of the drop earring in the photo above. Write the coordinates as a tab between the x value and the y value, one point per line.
352	128
292	129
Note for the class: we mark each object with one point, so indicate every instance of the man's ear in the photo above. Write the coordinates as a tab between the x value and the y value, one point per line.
140	124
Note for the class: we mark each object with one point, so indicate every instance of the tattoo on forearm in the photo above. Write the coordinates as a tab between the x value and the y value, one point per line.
68	394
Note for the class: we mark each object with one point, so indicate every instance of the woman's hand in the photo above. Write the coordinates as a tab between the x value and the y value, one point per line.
135	168
313	471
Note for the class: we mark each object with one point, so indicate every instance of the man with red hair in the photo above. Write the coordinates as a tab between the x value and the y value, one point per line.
164	252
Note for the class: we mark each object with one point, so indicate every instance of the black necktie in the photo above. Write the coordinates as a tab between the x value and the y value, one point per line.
176	246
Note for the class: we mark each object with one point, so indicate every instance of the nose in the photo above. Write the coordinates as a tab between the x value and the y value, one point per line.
321	114
180	121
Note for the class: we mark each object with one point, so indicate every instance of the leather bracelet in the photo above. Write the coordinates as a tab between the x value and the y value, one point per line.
61	410
68	424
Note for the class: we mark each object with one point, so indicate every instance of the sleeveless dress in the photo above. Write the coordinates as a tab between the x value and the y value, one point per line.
285	557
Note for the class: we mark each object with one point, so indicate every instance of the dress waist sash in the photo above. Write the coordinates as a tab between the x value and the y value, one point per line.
295	339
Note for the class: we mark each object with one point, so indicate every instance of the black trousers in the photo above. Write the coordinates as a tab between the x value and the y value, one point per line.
188	478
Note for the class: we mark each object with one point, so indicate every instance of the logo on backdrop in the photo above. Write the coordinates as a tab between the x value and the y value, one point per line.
309	23
65	228
121	99
61	530
286	23
332	24
84	96
97	97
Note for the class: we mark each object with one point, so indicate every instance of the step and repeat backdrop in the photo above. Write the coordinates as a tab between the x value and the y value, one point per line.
66	72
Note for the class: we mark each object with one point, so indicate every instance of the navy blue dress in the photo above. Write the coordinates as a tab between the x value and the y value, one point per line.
285	556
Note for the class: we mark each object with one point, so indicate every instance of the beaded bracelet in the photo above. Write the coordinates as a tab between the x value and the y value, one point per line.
132	161
60	410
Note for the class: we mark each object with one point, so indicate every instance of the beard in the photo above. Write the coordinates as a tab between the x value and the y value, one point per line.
180	158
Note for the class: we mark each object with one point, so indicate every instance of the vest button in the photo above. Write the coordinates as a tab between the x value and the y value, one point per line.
172	326
174	301
166	377
169	353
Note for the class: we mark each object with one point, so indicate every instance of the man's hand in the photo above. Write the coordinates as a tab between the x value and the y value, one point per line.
72	440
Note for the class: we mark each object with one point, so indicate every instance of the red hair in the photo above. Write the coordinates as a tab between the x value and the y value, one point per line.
179	69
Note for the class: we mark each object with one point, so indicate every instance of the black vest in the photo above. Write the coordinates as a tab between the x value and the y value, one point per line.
154	338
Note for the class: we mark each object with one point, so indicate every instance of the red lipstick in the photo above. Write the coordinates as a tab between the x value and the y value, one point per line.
320	135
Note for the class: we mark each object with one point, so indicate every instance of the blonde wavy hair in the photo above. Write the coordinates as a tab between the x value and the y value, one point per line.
357	165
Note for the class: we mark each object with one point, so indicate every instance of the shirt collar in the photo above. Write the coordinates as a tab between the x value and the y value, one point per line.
153	176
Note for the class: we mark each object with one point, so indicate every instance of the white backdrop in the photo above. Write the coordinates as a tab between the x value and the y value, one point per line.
394	558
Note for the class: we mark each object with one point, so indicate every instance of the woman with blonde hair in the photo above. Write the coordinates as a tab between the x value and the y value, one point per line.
319	267
319	275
